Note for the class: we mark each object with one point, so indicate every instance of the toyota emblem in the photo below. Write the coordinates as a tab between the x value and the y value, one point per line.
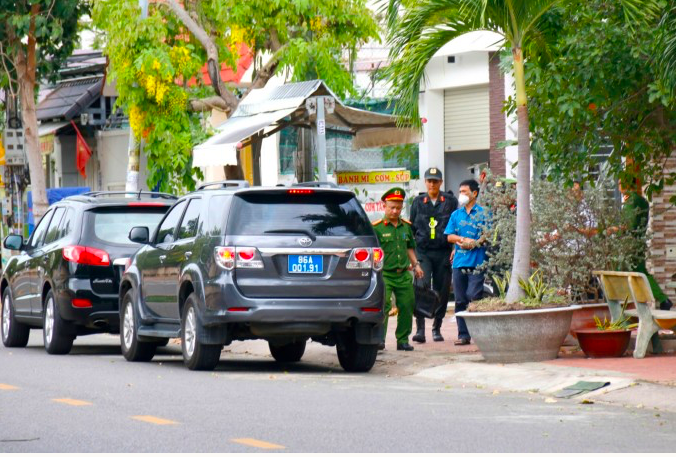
305	242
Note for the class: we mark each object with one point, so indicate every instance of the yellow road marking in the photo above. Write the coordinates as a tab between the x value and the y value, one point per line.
257	443
154	420
71	401
8	387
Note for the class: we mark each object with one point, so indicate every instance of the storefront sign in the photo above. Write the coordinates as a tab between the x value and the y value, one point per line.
47	144
373	177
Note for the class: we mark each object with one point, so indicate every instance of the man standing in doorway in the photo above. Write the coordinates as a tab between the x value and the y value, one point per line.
430	213
465	229
396	240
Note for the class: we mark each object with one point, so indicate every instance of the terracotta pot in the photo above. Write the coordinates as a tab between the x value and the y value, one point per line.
583	318
519	336
604	343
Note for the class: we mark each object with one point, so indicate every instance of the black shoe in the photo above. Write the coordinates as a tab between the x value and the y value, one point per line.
666	305
404	347
381	347
419	337
436	335
462	342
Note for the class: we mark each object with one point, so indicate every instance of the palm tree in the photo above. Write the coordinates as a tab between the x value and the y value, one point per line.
417	29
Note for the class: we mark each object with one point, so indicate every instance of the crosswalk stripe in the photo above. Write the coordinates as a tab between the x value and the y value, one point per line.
257	443
72	402
154	420
8	387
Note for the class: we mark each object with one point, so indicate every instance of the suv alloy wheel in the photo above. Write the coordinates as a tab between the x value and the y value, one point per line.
55	332
133	349
196	356
355	357
14	334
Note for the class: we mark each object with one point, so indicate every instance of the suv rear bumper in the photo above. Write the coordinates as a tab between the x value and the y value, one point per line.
226	304
103	316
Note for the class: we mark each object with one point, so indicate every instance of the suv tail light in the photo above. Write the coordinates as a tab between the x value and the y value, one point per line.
229	257
378	259
362	258
225	256
86	255
248	258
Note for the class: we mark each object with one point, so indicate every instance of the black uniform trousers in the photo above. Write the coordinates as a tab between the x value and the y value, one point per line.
436	266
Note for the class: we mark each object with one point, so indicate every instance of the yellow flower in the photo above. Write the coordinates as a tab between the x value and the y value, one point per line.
156	64
136	120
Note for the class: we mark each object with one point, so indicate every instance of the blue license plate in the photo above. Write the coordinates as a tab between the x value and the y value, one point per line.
306	264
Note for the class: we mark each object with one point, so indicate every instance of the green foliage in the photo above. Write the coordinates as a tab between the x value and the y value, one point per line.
153	60
621	323
56	30
502	284
535	287
605	87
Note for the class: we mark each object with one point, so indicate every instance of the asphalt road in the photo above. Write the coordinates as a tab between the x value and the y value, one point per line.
95	401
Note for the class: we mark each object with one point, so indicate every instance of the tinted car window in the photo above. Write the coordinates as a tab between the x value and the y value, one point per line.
218	204
67	223
112	225
320	213
53	230
166	232
40	230
188	228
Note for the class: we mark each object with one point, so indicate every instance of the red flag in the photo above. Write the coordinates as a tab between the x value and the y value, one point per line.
82	152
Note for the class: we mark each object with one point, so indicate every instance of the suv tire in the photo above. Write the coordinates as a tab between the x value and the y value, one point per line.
355	357
56	333
196	356
288	353
14	334
133	349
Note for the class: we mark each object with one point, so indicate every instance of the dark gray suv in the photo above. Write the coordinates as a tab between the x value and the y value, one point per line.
229	262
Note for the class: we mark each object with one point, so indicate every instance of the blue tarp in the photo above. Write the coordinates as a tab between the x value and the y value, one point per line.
53	196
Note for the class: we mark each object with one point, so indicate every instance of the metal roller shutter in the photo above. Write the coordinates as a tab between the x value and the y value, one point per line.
466	119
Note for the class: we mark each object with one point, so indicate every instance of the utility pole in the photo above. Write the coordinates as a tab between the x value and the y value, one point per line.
320	106
134	151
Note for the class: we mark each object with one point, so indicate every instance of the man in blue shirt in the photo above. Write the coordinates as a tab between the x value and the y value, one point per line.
465	229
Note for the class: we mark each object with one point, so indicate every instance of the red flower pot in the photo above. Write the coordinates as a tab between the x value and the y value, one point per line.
604	343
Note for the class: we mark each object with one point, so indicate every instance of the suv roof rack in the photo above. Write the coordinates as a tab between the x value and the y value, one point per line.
138	194
238	184
329	184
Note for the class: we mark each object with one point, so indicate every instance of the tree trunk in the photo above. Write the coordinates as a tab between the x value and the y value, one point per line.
521	262
25	71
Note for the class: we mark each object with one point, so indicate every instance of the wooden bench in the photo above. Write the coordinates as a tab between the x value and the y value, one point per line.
619	286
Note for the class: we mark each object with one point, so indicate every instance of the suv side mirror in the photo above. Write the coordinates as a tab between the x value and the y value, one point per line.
13	242
139	235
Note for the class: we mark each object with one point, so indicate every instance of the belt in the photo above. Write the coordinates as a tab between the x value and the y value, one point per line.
396	270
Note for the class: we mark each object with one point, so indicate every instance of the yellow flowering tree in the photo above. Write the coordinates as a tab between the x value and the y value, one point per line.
157	63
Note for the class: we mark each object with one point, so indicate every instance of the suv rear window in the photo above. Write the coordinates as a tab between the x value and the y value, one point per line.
112	225
320	213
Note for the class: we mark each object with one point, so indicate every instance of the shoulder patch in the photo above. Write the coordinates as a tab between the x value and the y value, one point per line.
374	223
406	220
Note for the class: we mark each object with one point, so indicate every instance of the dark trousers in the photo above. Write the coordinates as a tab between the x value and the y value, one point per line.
435	265
468	286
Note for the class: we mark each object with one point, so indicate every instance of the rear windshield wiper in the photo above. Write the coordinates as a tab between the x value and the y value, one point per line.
296	231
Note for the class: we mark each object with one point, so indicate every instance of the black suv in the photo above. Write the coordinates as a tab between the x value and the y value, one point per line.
66	277
229	262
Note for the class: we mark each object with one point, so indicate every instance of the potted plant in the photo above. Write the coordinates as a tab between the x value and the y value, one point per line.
609	338
530	330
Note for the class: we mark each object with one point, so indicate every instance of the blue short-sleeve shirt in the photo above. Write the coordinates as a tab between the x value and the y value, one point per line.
469	226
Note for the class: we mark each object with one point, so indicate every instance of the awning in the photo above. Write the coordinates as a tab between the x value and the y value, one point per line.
46	133
268	110
70	98
221	149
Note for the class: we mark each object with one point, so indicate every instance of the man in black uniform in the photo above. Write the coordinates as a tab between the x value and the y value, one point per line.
430	213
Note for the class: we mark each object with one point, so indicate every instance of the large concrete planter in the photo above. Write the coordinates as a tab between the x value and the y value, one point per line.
519	336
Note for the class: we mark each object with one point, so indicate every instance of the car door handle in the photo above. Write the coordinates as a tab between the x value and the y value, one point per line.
162	257
188	254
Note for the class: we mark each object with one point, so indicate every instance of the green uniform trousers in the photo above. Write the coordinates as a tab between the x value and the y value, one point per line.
401	285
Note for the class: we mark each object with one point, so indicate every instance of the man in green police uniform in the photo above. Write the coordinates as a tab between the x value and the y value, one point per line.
396	239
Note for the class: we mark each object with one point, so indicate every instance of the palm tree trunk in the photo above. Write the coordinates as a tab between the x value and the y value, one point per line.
521	262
